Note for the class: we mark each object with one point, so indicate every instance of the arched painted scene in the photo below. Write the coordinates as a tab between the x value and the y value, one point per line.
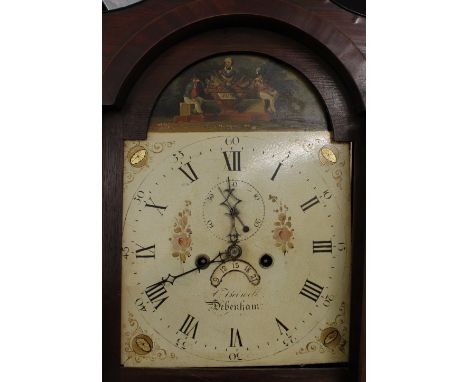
239	92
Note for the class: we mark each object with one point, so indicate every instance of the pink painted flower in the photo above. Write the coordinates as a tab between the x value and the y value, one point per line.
181	242
282	234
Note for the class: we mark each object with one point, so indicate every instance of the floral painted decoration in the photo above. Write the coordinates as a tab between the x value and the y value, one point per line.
182	235
283	233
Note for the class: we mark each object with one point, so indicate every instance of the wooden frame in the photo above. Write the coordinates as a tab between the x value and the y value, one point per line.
144	62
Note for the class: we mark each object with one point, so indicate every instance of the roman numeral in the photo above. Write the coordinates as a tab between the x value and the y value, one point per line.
189	327
310	203
276	171
156	294
153	205
190	173
311	290
232	159
322	246
235	339
151	251
282	327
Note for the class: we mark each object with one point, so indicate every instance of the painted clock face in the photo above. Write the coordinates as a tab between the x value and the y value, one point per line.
235	248
236	245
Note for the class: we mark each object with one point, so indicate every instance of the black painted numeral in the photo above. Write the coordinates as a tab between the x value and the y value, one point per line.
189	327
145	252
152	204
310	203
235	338
276	171
282	327
157	294
189	172
232	159
322	246
311	290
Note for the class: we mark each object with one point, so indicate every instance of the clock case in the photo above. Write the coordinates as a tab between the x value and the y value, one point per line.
144	47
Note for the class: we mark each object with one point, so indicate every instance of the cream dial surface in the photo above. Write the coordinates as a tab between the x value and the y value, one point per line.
291	191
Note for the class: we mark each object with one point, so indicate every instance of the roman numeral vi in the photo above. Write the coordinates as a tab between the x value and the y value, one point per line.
235	339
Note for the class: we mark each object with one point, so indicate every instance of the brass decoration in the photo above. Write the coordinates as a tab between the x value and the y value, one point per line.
328	155
137	156
142	344
182	234
332	338
139	346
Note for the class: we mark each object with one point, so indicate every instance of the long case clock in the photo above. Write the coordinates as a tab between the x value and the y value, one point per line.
233	191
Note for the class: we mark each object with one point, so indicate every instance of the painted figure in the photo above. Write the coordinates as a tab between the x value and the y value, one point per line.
265	92
193	94
228	74
230	80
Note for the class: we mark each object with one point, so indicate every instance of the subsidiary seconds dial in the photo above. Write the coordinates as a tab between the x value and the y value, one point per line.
236	198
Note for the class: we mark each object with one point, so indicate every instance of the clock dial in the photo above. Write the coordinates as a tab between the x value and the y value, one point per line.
235	249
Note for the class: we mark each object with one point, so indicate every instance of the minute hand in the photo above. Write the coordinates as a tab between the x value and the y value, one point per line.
169	279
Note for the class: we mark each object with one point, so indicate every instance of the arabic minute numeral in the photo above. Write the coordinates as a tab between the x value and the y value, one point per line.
125	251
231	141
328	300
140	304
139	195
327	194
234	357
178	155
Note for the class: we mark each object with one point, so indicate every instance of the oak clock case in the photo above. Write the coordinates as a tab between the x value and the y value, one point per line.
236	241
